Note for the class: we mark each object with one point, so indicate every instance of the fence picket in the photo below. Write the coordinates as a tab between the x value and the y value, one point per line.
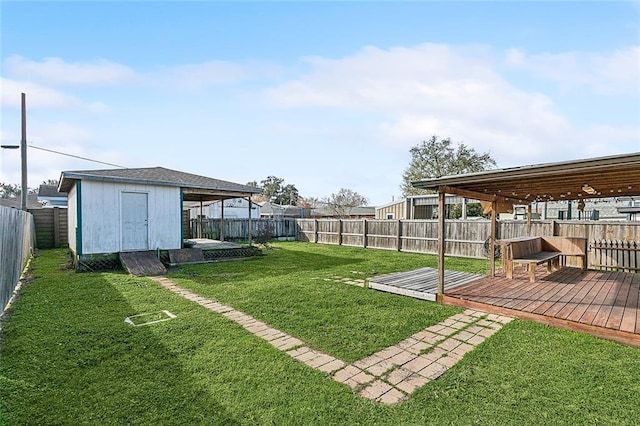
467	238
615	255
17	242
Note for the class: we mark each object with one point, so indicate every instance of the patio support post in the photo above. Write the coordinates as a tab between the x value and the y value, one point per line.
200	221
249	231
441	239
221	220
492	238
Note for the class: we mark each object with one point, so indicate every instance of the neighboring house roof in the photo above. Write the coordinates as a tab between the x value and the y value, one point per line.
50	191
49	196
353	211
156	176
32	202
269	209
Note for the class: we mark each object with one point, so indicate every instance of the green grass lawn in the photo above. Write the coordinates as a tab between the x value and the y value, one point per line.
68	357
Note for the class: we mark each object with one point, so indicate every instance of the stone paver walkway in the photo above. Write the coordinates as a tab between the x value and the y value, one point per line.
388	376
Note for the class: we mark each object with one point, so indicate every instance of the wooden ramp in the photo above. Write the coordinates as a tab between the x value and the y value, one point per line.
142	263
420	283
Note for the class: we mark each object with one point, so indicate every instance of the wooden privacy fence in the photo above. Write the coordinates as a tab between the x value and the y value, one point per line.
51	227
617	242
462	238
17	235
238	229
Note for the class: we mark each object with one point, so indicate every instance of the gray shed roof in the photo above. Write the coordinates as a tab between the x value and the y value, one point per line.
197	187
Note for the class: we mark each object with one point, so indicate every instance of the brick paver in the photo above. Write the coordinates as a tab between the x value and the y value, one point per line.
389	376
375	390
412	383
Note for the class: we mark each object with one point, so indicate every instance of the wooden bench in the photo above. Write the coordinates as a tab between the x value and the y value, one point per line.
532	251
568	247
529	252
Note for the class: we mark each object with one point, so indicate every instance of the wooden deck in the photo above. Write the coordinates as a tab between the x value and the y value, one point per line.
420	283
208	244
605	304
216	250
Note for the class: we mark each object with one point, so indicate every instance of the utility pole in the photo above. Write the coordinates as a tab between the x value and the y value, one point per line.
23	153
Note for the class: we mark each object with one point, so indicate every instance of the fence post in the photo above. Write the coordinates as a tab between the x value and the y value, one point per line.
56	227
399	236
339	232
364	233
315	230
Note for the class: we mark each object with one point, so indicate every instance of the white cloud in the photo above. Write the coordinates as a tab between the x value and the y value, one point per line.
611	73
42	97
56	71
457	92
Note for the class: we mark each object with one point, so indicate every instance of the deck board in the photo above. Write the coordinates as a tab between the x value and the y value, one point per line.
631	317
420	283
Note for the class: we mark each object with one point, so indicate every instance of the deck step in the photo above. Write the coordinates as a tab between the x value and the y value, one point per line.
142	263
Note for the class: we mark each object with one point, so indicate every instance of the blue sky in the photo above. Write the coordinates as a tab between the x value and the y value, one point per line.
323	94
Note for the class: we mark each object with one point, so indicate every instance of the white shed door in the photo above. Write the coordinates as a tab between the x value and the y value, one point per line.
135	218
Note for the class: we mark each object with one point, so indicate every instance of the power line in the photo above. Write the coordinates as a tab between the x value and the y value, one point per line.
76	156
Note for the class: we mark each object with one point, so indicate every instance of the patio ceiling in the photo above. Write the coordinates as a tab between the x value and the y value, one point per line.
614	176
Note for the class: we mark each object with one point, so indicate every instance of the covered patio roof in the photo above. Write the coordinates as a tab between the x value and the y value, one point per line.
613	176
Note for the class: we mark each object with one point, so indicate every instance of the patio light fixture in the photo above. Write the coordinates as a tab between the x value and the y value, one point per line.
589	189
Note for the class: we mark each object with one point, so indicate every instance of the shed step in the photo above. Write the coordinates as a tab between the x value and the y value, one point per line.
142	263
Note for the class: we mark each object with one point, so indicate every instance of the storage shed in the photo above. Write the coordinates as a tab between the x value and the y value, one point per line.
120	210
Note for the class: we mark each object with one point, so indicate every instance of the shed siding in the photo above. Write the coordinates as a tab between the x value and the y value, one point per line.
396	209
72	219
102	212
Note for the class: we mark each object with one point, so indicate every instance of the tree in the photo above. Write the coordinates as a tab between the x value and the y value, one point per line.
341	203
288	195
275	191
310	202
439	157
271	187
13	190
9	190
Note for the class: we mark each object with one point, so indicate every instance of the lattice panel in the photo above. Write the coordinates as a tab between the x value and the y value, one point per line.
231	253
99	264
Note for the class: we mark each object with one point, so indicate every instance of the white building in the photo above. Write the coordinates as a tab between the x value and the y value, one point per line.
234	208
119	210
